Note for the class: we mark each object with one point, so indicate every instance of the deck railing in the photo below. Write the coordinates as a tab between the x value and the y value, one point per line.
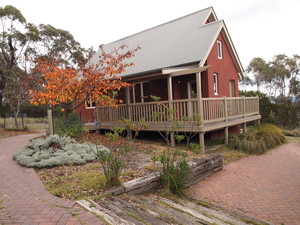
213	110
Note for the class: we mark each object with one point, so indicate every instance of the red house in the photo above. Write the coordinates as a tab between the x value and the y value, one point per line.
192	64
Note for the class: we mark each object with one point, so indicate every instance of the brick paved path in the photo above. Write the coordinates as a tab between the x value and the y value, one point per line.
25	199
266	187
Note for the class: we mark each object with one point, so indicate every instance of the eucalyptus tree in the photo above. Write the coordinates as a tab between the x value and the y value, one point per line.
280	76
21	43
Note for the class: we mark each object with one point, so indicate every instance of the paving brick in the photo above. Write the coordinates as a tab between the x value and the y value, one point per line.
27	200
265	187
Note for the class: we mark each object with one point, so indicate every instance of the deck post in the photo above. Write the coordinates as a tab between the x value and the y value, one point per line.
127	98
170	99
170	90
244	127
244	106
202	141
128	111
226	135
172	136
225	109
199	96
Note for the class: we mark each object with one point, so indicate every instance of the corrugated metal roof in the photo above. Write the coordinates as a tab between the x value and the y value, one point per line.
181	41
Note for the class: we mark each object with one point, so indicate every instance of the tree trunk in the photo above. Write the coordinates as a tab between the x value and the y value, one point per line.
16	120
66	115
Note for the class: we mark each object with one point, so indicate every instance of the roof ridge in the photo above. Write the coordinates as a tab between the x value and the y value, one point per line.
171	21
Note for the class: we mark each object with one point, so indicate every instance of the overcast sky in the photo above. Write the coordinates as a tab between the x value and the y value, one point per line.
258	28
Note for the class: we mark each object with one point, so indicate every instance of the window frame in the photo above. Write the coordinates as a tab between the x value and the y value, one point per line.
216	83
89	104
220	49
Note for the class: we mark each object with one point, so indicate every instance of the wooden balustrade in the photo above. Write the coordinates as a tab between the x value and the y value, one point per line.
214	110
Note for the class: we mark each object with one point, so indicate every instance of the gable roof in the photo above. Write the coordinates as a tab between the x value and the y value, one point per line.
184	41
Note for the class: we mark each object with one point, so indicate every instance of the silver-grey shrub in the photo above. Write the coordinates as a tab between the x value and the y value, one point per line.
56	151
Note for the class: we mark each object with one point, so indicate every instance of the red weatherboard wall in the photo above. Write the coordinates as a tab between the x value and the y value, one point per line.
225	68
85	114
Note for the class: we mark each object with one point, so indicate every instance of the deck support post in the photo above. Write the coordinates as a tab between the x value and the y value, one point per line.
170	99
258	122
172	136
128	111
226	135
200	109
244	127
202	141
199	96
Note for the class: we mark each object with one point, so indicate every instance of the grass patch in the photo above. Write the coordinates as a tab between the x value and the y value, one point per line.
73	214
102	218
204	204
292	133
230	155
76	186
1	200
136	217
258	139
250	221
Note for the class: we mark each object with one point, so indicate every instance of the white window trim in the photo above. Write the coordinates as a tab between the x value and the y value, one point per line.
216	85
89	104
220	49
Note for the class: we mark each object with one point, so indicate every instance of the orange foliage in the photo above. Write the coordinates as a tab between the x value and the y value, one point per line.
69	88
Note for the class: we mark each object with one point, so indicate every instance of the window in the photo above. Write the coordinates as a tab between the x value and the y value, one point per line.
216	88
219	47
141	92
90	104
232	88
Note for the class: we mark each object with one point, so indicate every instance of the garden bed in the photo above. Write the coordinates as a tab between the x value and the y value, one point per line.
75	182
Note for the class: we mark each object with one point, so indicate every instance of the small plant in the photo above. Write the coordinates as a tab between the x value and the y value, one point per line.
257	140
196	122
71	126
112	162
56	151
196	149
175	170
134	127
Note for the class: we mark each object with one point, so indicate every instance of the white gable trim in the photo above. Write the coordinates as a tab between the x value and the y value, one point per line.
210	12
230	45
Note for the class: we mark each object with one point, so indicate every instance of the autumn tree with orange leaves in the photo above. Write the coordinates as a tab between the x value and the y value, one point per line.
69	88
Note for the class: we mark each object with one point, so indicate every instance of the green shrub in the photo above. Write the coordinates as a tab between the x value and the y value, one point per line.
68	127
112	162
175	171
257	140
56	151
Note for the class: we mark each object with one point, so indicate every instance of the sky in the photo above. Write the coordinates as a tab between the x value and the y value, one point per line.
258	28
